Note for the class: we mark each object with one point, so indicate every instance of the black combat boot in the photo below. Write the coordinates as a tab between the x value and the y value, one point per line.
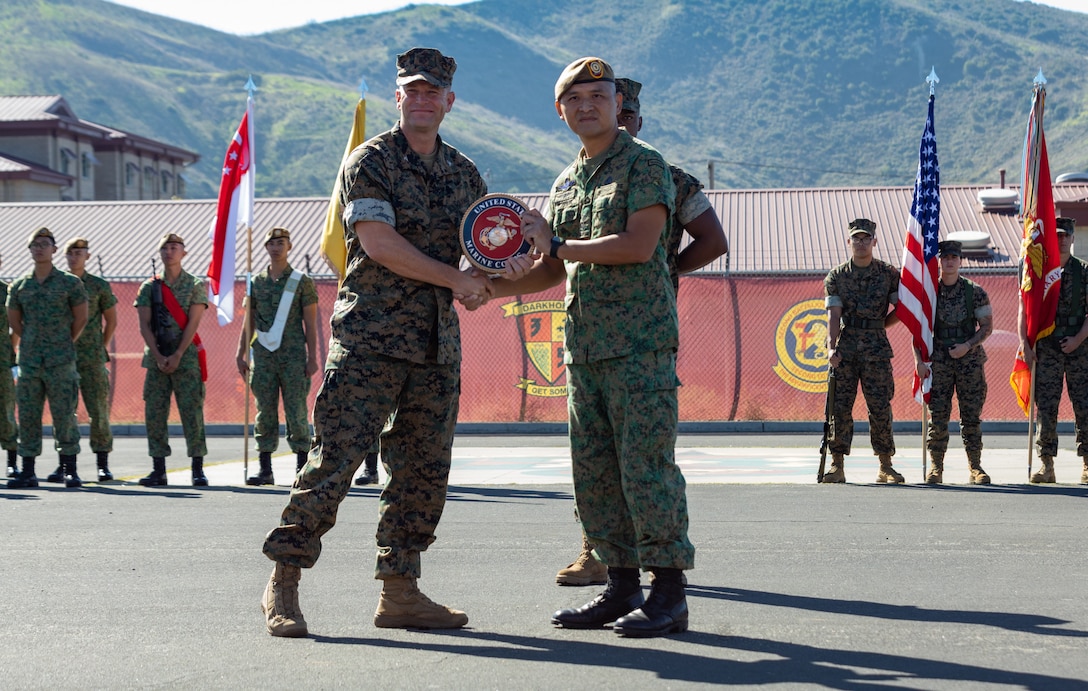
369	476
13	466
300	459
199	480
104	474
58	474
26	477
71	478
665	611
157	478
264	476
621	596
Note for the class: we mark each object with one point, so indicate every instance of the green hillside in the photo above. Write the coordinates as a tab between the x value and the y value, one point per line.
779	93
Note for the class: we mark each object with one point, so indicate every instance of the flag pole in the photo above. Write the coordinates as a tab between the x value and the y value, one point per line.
1031	418
248	325
925	435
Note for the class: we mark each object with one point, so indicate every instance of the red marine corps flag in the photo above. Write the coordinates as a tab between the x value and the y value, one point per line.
918	277
1040	268
234	213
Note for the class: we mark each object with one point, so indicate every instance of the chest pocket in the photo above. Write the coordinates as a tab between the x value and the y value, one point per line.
565	214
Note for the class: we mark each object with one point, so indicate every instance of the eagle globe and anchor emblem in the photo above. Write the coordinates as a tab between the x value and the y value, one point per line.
801	344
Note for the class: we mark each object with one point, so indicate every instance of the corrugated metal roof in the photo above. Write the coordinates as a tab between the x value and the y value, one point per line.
770	231
27	108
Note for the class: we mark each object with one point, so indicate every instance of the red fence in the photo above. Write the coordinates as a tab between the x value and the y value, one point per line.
752	348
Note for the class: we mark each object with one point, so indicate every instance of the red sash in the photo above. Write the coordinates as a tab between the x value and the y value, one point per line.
182	319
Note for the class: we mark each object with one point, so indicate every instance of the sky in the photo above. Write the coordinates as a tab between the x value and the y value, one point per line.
258	16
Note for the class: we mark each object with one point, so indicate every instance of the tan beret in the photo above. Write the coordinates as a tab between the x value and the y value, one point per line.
277	233
171	237
582	71
42	232
76	244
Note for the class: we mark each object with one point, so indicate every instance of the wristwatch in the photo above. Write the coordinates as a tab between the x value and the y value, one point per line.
557	242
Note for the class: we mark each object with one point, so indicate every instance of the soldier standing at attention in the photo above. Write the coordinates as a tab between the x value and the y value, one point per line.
47	310
395	349
694	215
91	356
283	326
608	233
170	309
1062	355
964	320
9	439
860	293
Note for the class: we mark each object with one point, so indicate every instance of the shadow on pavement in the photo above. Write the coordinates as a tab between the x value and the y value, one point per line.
1024	623
790	663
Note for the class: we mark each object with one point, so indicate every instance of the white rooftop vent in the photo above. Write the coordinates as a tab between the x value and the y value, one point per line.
998	199
1072	177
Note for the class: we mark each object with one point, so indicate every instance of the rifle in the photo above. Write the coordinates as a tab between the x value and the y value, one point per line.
160	324
829	421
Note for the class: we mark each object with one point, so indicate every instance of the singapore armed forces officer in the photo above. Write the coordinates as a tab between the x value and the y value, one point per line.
47	310
283	328
964	320
859	294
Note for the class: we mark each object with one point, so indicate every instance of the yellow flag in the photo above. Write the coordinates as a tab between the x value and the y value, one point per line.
333	246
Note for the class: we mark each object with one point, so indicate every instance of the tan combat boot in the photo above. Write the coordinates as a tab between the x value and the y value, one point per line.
1084	473
978	475
936	471
402	606
586	569
1046	473
837	472
888	474
280	603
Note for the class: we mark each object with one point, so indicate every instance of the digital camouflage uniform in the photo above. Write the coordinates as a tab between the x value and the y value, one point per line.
1054	365
395	348
8	438
864	294
91	359
283	371
620	348
955	324
185	382
690	204
47	359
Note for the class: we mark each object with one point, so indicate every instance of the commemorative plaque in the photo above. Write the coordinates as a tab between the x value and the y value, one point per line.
491	232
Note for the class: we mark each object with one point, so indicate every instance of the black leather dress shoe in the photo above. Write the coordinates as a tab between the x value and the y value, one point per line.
599	612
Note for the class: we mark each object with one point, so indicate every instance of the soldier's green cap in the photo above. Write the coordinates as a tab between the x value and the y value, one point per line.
428	64
42	232
171	237
629	89
1066	225
277	233
950	248
77	244
862	225
583	71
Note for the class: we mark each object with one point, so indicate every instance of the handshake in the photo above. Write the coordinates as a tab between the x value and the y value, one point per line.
475	287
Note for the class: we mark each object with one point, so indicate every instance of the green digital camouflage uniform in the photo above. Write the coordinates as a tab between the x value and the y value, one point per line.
1054	365
956	324
185	382
91	359
47	359
620	348
395	349
864	294
690	204
9	440
283	371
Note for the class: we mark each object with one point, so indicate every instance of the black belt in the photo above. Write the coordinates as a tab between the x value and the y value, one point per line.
859	323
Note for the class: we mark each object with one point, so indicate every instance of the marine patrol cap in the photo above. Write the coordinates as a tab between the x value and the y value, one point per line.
583	71
862	225
76	244
950	248
1065	225
629	89
171	237
428	64
277	233
42	232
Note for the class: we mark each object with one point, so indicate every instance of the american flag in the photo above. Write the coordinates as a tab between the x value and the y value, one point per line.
918	278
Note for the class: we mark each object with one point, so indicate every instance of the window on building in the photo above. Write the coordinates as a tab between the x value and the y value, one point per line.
149	180
132	172
67	160
181	185
167	180
85	163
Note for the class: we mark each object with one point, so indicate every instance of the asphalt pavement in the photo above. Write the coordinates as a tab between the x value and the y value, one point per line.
796	585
